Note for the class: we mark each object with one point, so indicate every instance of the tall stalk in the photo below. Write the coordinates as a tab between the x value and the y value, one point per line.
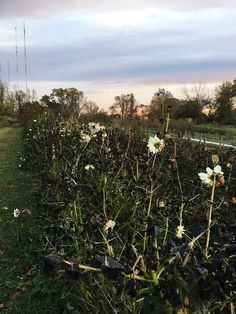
210	216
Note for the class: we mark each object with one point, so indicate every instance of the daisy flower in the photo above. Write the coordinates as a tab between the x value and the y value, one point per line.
95	127
155	145
208	177
89	167
179	231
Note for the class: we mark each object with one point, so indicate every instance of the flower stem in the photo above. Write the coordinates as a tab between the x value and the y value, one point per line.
148	214
154	160
210	216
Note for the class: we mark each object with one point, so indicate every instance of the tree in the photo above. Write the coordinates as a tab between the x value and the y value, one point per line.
192	106
162	101
90	107
225	101
189	109
64	100
10	101
30	111
125	105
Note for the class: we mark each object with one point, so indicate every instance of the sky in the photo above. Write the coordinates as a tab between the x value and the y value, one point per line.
107	47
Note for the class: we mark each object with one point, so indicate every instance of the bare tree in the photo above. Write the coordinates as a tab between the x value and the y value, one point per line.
125	104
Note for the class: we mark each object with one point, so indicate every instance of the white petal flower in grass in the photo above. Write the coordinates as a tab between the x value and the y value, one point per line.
85	137
179	231
155	144
16	213
217	170
208	177
89	167
109	225
95	127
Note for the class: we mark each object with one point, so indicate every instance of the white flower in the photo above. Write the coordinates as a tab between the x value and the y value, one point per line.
89	167
155	145
208	177
85	137
179	231
109	225
16	213
95	127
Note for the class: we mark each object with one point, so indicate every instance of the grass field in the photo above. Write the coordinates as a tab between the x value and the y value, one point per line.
208	131
23	288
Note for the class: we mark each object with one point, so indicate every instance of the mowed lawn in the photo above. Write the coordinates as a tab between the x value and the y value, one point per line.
24	288
15	239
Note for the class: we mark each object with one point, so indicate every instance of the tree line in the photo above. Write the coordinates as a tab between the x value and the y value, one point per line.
197	105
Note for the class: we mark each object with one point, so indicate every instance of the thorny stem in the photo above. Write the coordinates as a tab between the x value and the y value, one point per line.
210	216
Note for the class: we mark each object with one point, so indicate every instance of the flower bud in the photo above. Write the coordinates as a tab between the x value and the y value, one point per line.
215	159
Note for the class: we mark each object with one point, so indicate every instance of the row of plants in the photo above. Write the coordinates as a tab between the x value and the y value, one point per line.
136	222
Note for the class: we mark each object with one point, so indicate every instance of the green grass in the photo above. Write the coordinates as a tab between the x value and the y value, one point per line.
23	287
208	131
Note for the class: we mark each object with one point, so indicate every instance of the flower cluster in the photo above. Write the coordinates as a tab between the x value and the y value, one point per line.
94	128
155	145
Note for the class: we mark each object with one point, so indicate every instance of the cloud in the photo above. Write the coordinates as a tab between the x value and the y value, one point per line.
189	47
46	8
121	44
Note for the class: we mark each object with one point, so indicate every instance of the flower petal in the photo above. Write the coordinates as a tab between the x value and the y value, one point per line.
203	176
217	170
209	171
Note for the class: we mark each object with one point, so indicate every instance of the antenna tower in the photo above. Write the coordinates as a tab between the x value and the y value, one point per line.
17	67
25	58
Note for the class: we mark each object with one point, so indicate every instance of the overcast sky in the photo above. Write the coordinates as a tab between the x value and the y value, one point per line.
108	47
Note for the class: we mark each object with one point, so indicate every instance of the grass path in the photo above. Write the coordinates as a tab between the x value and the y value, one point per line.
23	288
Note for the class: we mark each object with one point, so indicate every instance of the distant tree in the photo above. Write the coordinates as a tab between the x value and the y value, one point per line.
162	101
2	92
196	100
20	98
189	109
29	111
10	101
225	101
64	100
125	105
90	107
